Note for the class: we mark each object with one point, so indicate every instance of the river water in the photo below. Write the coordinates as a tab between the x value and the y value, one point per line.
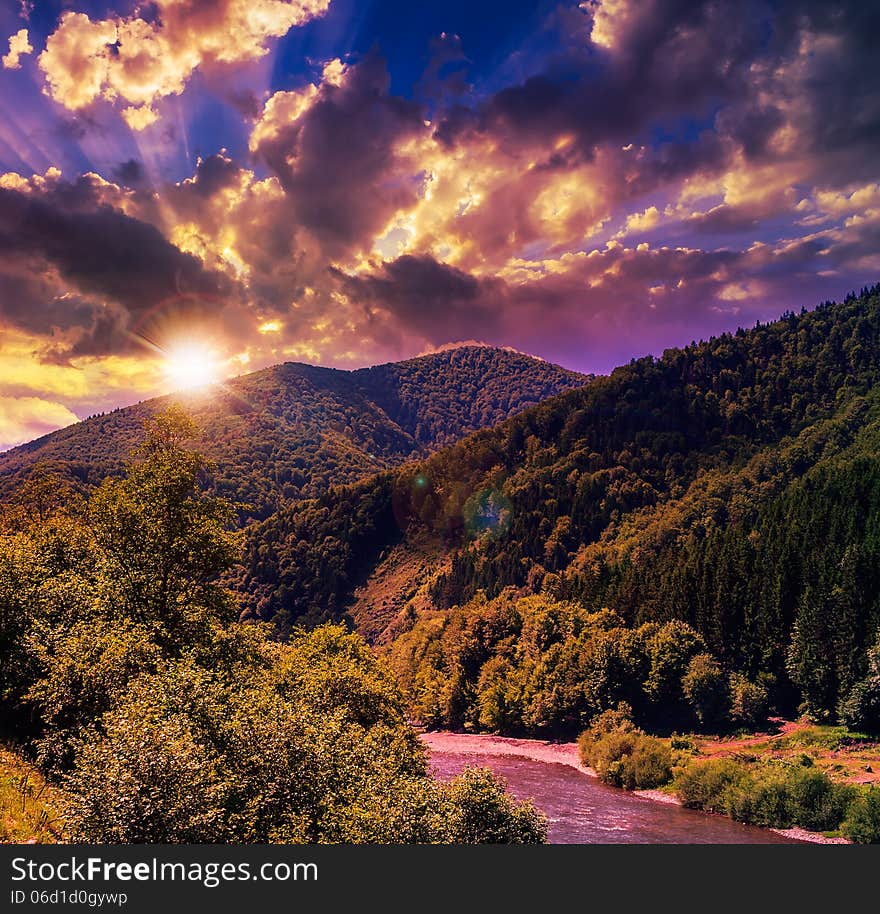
580	808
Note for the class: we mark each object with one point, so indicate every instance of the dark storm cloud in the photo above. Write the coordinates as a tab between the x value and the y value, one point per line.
70	239
213	174
338	161
729	65
31	299
431	298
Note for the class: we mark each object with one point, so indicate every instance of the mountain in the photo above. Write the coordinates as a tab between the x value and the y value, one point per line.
292	431
732	486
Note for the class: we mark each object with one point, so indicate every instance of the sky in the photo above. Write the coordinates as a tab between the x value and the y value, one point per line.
345	182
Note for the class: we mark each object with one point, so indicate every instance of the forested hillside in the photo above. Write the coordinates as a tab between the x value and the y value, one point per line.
732	485
125	678
292	431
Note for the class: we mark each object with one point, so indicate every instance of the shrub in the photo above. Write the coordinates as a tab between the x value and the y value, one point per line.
606	755
862	822
772	795
480	811
817	802
626	757
707	784
617	720
84	670
760	798
147	780
650	763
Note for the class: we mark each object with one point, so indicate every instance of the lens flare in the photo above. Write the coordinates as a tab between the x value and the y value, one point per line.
487	514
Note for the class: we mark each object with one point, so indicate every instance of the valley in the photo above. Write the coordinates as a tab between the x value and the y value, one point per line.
659	561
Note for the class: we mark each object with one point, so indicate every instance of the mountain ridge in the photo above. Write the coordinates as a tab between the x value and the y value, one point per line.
292	430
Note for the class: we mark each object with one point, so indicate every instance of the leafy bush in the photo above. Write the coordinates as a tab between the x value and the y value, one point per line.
610	757
709	784
650	763
773	795
481	812
85	668
818	803
862	822
623	755
760	798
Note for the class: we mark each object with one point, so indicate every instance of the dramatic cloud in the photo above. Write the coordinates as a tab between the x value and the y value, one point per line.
70	260
38	395
431	298
18	47
140	60
344	154
639	173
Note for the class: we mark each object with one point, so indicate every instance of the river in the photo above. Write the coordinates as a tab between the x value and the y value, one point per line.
580	808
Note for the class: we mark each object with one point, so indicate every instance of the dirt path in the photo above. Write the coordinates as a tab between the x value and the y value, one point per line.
726	746
855	761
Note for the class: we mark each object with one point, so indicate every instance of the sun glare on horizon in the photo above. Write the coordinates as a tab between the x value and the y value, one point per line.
191	366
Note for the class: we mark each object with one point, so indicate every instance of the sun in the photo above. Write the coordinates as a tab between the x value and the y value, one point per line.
191	366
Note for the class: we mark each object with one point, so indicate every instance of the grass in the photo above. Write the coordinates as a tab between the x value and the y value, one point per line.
29	807
819	737
845	755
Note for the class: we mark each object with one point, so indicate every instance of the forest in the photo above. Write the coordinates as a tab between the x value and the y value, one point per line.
126	678
730	486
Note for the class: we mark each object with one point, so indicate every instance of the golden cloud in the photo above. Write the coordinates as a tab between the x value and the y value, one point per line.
18	47
610	19
25	372
481	204
25	418
281	110
38	396
847	202
640	222
139	62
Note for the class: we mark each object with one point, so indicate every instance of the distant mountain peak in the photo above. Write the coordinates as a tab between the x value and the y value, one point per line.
475	344
292	430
